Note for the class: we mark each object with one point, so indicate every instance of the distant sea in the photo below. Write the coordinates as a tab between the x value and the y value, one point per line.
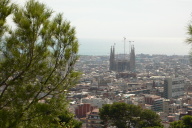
146	46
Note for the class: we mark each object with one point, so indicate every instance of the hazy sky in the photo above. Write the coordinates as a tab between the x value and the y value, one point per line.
146	22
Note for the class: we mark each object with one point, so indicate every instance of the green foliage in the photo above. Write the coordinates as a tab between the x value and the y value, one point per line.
189	38
177	124
124	115
149	118
189	32
5	10
37	63
185	122
66	120
155	127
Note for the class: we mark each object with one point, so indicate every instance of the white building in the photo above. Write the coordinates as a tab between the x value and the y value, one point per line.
99	102
174	87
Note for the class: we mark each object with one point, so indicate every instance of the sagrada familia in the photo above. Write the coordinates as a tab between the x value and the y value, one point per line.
124	63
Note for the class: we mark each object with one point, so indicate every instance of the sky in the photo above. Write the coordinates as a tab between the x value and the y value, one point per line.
155	26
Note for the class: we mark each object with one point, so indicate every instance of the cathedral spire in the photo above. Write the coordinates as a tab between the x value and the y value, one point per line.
111	59
111	52
132	59
114	52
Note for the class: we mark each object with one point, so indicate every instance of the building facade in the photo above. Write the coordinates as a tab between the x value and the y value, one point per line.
93	119
82	109
155	101
174	87
122	63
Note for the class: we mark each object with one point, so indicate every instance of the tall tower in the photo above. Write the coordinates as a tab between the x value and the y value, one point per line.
168	88
112	59
132	59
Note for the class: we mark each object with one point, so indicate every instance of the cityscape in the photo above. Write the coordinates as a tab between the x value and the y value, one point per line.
64	64
160	83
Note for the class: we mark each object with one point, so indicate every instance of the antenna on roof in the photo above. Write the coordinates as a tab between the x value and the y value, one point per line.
124	46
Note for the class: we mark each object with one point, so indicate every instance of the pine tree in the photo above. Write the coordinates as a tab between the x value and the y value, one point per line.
37	63
5	10
122	115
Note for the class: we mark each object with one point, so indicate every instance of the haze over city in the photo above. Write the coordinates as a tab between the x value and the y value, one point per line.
156	27
104	64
